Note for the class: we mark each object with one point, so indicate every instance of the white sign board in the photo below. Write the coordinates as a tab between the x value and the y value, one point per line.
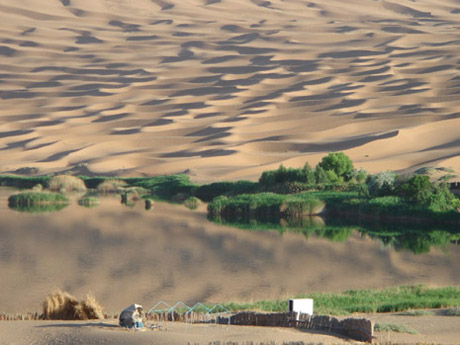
304	306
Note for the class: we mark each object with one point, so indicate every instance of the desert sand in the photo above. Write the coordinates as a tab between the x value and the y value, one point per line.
436	329
224	89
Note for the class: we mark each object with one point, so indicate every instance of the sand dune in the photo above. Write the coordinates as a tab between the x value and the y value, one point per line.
227	88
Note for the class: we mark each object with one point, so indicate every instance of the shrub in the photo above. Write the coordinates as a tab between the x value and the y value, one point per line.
386	327
60	305
67	183
418	189
192	203
210	191
36	198
299	207
263	206
339	163
111	186
381	184
283	175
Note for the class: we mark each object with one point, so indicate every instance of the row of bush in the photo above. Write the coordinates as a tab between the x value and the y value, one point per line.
263	206
382	192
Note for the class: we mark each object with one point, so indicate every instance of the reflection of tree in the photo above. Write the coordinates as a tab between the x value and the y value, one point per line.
416	238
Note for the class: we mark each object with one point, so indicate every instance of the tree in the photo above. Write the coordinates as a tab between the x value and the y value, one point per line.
320	175
309	174
418	189
339	163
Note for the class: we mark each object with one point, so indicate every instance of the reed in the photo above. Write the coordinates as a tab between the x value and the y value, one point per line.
61	305
67	183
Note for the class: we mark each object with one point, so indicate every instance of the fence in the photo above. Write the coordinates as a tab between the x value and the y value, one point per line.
357	329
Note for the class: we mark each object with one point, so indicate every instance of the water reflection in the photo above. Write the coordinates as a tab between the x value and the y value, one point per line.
128	255
38	208
419	239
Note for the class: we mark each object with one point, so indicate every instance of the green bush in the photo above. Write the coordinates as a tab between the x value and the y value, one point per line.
37	202
381	184
192	203
23	182
263	206
210	191
283	175
339	163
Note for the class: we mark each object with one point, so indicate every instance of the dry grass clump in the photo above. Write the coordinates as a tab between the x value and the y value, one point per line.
67	183
61	305
111	186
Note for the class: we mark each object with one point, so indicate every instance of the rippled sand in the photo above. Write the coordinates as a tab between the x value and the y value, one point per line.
225	89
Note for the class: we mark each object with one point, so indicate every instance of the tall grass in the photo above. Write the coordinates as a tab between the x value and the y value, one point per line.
67	183
36	198
111	186
61	305
366	301
263	206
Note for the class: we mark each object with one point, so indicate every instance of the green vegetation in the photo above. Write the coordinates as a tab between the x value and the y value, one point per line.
394	327
23	182
366	301
286	193
89	201
263	206
192	203
36	202
210	191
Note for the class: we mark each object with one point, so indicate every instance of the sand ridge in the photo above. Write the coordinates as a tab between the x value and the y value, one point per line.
227	88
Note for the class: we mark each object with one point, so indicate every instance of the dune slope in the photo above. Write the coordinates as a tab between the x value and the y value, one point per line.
227	88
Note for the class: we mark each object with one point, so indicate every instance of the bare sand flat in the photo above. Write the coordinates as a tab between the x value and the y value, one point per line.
227	88
431	330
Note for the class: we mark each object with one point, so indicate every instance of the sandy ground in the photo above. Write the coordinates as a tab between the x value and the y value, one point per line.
431	329
225	89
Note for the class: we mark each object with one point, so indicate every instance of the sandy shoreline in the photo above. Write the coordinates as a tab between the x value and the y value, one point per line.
431	329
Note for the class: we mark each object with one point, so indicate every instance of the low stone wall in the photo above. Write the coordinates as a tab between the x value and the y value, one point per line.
357	329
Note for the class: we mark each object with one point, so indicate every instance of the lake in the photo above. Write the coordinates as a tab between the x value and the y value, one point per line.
126	255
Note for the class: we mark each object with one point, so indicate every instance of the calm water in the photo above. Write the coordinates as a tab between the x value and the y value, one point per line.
128	255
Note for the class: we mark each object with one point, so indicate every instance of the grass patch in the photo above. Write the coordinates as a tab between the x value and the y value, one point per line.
366	301
394	327
36	202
